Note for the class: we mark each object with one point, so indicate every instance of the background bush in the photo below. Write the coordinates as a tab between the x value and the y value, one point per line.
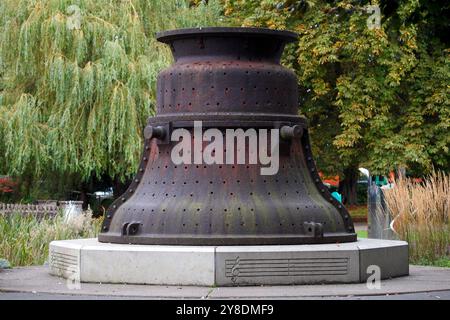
24	240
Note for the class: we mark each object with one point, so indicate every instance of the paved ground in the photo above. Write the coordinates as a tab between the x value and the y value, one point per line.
434	295
36	283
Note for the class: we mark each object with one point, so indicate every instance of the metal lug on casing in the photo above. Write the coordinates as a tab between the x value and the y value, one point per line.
158	132
314	229
130	228
291	132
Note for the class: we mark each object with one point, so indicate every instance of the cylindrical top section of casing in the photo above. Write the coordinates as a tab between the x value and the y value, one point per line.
227	70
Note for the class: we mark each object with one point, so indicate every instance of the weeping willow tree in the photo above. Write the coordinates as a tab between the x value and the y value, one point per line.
77	81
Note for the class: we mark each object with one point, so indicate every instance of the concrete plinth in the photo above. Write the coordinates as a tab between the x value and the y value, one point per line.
88	260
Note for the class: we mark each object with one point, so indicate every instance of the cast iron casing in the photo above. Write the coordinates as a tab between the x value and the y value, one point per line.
227	78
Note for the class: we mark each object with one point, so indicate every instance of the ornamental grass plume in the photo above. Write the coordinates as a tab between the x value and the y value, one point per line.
420	214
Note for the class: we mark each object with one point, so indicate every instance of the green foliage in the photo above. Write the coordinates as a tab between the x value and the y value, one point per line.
375	97
24	240
77	81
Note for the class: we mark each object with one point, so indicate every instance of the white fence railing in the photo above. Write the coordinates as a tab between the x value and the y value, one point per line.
50	208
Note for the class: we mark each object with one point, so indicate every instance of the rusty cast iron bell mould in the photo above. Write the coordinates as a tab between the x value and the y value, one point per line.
227	78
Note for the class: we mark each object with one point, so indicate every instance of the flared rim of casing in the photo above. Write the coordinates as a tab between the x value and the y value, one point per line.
167	36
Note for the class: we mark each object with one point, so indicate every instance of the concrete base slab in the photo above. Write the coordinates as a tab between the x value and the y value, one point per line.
301	264
88	260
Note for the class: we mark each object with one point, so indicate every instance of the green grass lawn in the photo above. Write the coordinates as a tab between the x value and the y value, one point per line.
362	233
358	213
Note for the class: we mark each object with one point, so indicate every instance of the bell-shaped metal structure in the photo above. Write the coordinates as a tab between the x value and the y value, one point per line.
227	78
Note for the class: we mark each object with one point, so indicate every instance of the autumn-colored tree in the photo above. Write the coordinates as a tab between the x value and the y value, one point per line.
373	78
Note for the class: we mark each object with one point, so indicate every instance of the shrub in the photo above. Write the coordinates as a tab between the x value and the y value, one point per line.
420	214
24	240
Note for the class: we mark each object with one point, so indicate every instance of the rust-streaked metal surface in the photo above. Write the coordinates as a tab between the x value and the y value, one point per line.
228	78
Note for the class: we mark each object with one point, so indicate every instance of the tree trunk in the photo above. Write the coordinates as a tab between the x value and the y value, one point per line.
83	196
347	186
